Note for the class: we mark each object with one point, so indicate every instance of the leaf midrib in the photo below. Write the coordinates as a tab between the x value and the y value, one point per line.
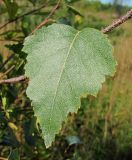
63	67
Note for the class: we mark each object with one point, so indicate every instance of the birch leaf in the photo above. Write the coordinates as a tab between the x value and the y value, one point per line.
64	64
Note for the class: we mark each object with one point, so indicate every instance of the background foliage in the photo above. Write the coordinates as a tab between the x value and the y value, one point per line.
102	128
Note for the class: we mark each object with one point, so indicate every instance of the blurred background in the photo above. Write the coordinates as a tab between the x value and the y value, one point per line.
102	128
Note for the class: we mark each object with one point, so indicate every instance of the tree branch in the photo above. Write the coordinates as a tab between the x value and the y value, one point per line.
48	17
13	80
25	14
118	22
109	28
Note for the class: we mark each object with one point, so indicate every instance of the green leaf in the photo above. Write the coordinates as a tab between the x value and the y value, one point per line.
64	64
14	155
74	10
73	140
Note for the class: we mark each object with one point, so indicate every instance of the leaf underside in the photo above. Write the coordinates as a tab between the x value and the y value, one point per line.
64	64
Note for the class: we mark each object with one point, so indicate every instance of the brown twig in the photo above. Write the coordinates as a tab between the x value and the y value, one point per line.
47	20
13	80
25	14
118	22
105	30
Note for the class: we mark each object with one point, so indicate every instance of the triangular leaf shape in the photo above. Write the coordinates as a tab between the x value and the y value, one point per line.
64	64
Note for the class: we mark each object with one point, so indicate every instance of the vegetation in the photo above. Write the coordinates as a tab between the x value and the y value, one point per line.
101	130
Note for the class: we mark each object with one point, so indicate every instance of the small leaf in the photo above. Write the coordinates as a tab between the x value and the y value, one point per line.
14	155
64	64
74	10
12	126
73	140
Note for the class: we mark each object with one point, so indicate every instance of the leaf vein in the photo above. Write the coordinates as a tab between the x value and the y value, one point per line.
61	74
